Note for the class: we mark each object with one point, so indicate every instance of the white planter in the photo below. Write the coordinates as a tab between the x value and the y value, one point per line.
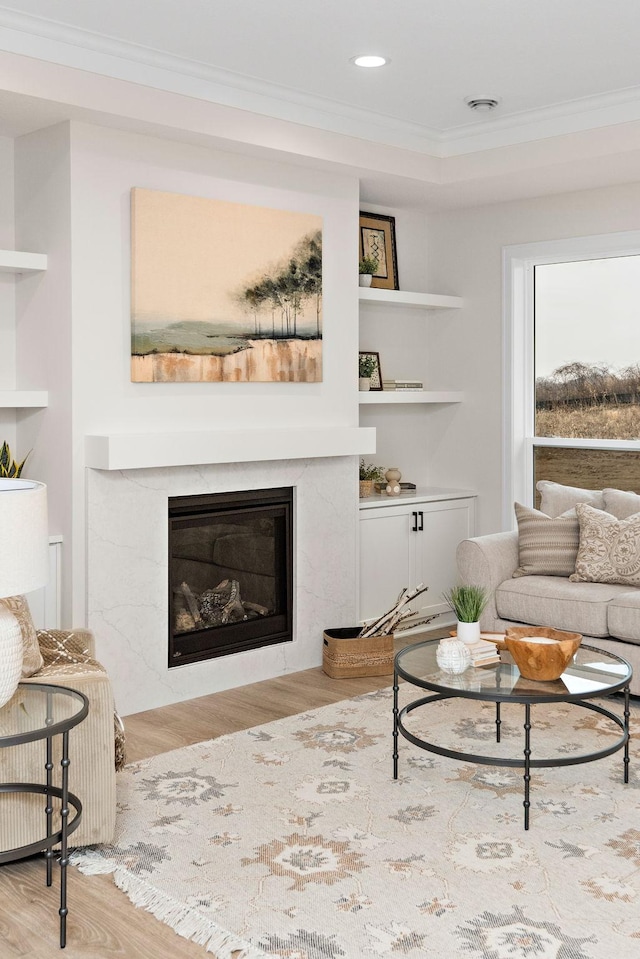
365	279
364	383
469	632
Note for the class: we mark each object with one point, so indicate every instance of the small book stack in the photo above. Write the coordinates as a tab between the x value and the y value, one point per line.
402	385
483	653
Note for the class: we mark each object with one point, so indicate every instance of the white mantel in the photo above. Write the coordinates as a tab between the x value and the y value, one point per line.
124	451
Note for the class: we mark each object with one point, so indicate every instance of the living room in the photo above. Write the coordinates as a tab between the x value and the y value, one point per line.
86	124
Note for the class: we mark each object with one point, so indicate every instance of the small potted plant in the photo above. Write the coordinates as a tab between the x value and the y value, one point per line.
368	266
366	366
9	469
369	475
468	603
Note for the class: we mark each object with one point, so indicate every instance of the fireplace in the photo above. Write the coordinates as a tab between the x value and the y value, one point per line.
230	573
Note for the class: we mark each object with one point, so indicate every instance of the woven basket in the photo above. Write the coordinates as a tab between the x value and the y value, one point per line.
344	656
366	488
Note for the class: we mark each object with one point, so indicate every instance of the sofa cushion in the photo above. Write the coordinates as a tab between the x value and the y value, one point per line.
31	655
609	550
547	546
555	601
624	616
556	499
621	503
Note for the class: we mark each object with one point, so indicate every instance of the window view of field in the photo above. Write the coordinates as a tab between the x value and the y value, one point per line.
589	401
587	362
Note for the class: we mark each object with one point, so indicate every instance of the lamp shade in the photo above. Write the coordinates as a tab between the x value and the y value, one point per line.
24	536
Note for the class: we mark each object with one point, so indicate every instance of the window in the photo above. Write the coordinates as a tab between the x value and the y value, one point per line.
572	365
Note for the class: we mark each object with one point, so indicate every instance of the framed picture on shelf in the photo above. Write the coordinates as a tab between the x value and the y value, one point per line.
378	241
375	376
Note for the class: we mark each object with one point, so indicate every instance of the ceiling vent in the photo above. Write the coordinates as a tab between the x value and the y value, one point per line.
482	104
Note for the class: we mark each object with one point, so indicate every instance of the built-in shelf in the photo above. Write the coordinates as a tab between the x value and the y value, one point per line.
379	397
126	451
423	301
15	261
22	399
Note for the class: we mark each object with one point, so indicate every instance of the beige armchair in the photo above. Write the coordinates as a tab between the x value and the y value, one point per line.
96	746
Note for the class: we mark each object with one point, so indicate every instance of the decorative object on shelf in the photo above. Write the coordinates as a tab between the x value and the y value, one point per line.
378	241
393	477
540	652
366	366
9	469
369	475
368	266
452	655
400	616
370	361
24	566
468	603
224	291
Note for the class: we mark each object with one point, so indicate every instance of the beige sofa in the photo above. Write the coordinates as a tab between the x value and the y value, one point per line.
607	614
95	746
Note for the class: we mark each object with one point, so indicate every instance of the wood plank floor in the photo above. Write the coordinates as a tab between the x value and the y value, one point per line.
102	923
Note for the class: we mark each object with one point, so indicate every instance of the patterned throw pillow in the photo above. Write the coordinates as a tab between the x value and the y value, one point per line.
609	549
32	659
547	546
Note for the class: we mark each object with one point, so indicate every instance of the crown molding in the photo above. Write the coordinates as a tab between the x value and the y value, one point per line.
81	49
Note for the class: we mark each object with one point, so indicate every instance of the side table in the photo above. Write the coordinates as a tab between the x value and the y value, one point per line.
41	711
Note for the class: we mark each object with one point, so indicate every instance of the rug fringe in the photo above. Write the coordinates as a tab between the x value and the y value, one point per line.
185	921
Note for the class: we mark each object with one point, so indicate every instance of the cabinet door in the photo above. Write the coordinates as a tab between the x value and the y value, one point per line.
386	558
443	526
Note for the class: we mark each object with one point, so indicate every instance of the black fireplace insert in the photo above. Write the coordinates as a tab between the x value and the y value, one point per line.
230	573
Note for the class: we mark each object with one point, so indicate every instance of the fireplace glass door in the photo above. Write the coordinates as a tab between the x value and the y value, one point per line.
230	573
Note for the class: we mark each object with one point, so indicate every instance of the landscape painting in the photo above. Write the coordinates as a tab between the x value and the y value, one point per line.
223	292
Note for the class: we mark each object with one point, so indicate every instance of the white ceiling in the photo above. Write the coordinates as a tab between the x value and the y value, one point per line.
558	67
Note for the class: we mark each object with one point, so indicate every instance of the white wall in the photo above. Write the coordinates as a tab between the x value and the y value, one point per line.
7	296
43	324
465	256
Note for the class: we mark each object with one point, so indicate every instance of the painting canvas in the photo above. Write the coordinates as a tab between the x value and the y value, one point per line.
224	292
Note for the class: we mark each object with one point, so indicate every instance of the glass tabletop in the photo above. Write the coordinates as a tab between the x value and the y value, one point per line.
37	710
591	672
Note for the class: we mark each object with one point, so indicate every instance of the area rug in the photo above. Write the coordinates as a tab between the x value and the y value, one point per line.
292	840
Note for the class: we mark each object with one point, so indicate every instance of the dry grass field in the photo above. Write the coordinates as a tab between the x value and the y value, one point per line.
604	422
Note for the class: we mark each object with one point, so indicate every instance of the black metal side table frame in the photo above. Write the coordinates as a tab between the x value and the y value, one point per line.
50	728
527	699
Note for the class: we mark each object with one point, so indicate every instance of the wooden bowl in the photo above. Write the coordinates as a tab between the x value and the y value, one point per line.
538	660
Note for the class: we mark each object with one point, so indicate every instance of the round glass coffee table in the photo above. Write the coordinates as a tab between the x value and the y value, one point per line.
592	673
39	711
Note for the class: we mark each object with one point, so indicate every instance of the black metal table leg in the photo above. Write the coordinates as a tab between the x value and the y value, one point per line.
626	729
64	857
527	762
48	765
498	722
395	725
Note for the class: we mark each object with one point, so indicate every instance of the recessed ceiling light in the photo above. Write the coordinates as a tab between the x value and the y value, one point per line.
482	104
369	60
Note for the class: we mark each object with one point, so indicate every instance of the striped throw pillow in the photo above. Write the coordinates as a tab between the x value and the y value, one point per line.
547	545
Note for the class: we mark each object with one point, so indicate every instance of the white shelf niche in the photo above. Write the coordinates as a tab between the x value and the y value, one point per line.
23	399
422	301
16	261
382	397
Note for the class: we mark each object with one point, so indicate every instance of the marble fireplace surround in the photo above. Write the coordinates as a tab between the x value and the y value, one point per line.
127	569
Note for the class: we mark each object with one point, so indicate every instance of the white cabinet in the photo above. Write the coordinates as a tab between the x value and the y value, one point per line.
409	540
